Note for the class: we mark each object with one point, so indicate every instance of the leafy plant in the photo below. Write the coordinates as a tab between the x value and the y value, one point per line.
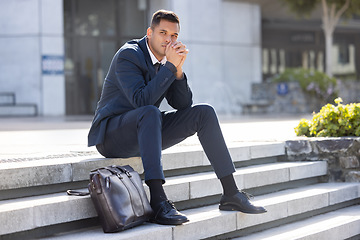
332	121
311	81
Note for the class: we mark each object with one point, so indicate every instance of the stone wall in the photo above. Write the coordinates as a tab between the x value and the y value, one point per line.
349	91
342	155
269	98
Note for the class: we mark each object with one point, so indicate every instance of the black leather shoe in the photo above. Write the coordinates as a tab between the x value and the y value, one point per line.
168	214
240	202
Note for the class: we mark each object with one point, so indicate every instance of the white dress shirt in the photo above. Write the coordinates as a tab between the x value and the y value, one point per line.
153	58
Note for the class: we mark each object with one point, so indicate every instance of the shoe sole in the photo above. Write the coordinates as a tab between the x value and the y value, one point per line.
230	207
179	222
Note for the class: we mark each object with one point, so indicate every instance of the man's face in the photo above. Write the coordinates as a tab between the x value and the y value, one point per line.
160	36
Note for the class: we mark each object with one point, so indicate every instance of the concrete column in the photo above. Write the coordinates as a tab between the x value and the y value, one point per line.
30	30
52	57
224	39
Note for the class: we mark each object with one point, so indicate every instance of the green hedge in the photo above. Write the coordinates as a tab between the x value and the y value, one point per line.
332	121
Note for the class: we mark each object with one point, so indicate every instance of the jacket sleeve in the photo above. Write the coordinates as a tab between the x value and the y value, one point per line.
179	95
131	70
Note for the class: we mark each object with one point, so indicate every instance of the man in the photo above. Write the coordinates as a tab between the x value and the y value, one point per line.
128	123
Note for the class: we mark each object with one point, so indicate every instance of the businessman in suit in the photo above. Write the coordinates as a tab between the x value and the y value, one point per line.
128	122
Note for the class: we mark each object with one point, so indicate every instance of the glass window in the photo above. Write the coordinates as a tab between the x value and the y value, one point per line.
93	17
265	61
132	21
94	30
282	58
273	66
344	59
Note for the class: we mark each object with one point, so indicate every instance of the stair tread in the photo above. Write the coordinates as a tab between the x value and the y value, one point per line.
174	182
47	171
227	221
56	208
279	205
181	188
344	221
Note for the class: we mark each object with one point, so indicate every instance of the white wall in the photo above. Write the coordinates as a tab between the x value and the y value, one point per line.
30	29
225	50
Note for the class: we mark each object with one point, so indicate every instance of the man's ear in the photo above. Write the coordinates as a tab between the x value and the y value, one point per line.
149	32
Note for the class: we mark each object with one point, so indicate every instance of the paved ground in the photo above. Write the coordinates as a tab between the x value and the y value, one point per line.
39	137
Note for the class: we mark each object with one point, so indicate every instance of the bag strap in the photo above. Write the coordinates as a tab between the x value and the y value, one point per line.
77	193
114	169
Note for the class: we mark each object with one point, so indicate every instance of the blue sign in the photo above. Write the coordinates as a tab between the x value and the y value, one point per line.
282	88
52	65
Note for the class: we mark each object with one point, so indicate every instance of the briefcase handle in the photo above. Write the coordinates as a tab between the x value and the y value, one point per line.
114	169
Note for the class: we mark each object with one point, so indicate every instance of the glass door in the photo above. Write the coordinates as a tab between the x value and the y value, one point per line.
94	30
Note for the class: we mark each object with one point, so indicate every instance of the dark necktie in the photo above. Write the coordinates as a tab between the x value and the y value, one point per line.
157	67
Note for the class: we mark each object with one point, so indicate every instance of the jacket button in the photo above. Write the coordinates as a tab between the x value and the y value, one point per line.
164	82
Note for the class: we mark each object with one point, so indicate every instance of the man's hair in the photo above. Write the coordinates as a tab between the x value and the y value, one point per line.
164	15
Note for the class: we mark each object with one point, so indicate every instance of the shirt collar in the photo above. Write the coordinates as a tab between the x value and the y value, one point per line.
152	56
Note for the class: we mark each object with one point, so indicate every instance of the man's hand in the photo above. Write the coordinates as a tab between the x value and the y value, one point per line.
176	54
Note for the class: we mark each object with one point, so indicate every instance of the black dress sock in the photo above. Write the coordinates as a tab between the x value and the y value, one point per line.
229	185
157	193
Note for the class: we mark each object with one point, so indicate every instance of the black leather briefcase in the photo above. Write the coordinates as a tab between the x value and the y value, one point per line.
119	198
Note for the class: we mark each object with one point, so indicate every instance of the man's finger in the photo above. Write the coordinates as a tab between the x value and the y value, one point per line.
185	51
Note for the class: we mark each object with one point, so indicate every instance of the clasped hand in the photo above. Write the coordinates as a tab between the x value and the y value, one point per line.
176	54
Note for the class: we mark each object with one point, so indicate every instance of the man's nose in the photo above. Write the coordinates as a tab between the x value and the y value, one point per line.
168	38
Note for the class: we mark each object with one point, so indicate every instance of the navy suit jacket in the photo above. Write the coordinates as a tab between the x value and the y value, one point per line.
131	82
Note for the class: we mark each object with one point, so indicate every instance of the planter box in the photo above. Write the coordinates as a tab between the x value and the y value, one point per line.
342	155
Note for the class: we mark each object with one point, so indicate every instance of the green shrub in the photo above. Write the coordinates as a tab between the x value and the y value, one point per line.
311	81
332	121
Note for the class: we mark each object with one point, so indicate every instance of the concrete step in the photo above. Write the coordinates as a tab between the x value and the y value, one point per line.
18	110
209	221
59	208
52	172
341	224
189	187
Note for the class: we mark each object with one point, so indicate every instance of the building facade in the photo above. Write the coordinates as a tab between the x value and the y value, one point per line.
54	54
291	41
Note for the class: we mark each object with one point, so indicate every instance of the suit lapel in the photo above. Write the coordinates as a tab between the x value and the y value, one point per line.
150	66
142	45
